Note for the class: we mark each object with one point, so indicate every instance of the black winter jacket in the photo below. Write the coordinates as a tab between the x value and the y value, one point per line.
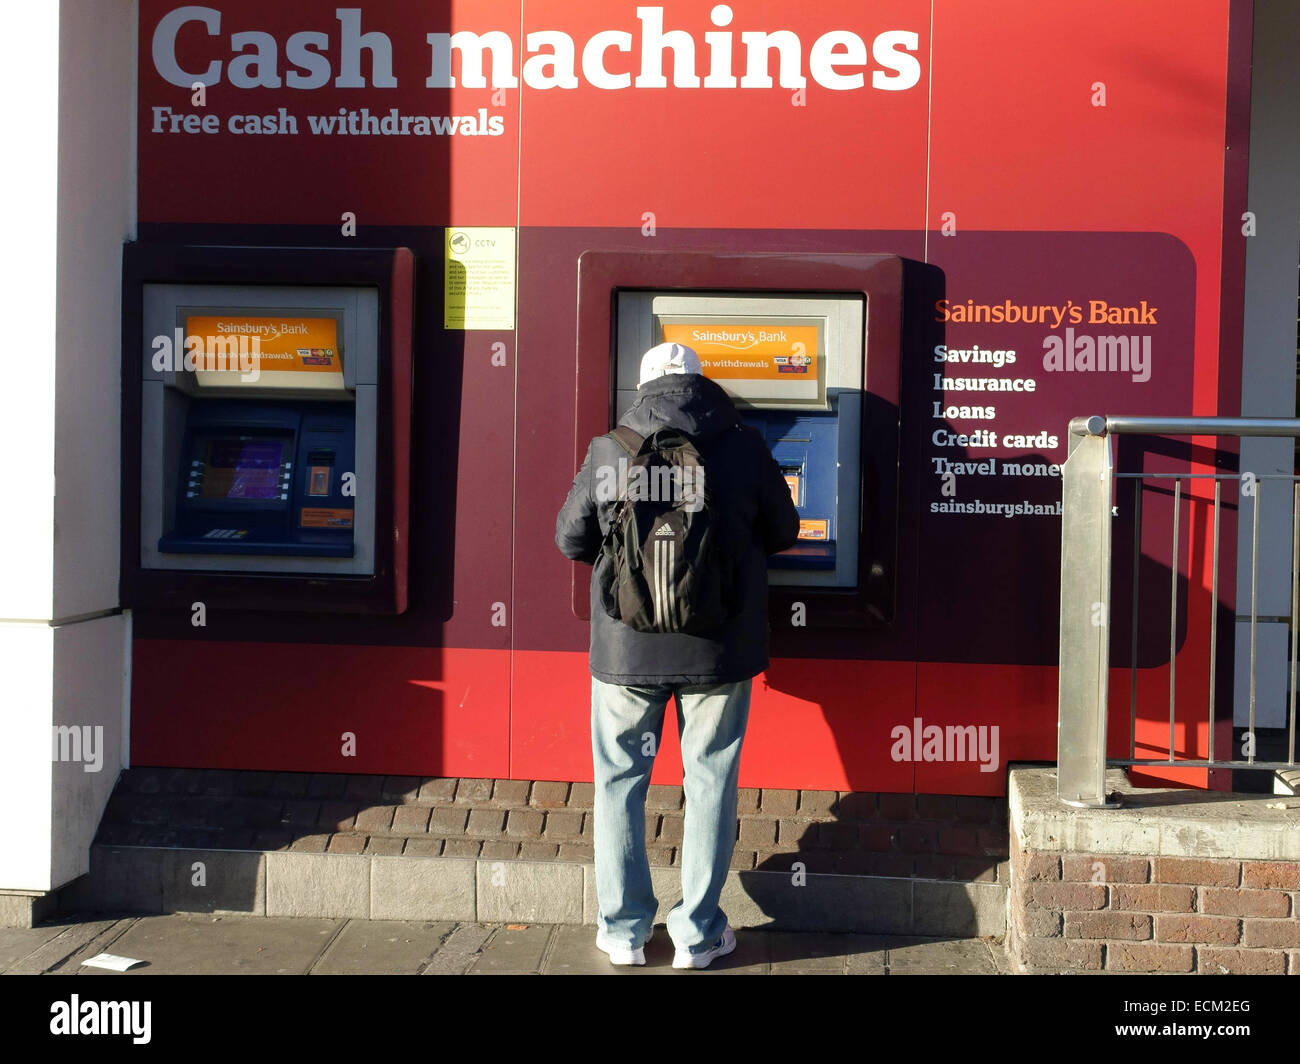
748	486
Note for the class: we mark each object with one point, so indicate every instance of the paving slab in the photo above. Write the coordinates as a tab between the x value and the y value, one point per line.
814	953
382	947
79	935
17	943
870	956
514	950
238	944
940	957
459	950
222	945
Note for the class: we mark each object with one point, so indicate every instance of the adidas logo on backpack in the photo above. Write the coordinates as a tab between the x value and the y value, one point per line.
665	530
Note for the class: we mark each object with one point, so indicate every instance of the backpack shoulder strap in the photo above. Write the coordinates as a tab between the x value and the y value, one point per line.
627	439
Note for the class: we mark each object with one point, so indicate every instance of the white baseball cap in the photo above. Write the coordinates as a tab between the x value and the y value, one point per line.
667	358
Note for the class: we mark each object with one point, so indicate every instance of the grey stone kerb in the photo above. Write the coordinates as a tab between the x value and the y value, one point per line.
155	880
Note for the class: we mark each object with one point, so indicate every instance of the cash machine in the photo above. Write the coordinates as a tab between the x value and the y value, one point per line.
793	365
808	348
267	433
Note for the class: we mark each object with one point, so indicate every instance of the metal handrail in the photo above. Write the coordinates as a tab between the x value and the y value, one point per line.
1088	479
1128	425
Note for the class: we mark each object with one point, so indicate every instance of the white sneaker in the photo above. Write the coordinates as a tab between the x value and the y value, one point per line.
621	954
724	945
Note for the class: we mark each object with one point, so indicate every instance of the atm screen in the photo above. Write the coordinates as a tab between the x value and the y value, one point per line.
242	469
265	479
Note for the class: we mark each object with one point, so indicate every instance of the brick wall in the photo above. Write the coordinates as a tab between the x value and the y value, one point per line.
1097	911
844	832
929	836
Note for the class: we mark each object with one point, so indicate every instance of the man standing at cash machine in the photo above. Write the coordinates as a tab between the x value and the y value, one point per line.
658	631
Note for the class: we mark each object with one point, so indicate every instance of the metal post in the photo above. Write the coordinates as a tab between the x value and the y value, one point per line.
1173	614
1133	640
1254	615
1214	609
1295	610
1085	621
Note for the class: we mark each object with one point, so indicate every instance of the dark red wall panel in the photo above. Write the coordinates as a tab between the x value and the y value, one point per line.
995	176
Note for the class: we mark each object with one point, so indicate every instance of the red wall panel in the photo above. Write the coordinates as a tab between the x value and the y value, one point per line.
1053	199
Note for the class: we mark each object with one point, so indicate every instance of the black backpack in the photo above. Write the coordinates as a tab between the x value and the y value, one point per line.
666	568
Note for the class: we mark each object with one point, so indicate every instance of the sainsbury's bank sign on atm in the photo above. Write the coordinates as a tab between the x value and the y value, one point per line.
750	351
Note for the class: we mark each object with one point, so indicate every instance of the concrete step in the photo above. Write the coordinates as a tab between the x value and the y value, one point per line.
154	880
941	837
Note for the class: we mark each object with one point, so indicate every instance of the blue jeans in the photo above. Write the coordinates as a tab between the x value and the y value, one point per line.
626	726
